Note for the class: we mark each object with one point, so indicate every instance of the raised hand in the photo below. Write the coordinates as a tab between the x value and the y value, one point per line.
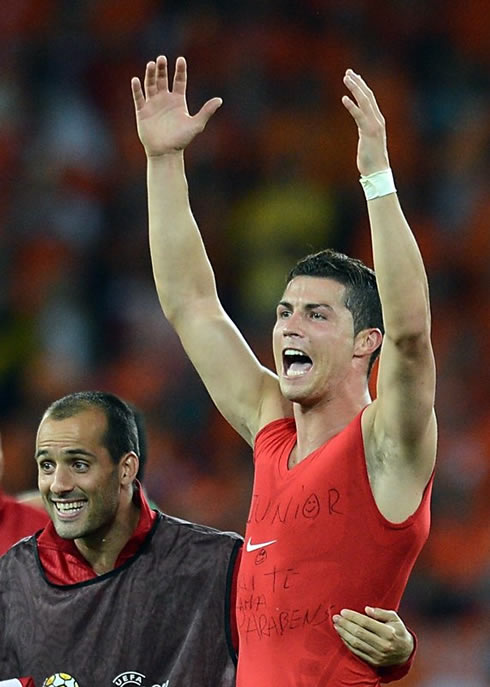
372	153
379	637
163	120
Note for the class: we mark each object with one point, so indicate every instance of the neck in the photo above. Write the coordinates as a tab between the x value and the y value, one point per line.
319	422
102	548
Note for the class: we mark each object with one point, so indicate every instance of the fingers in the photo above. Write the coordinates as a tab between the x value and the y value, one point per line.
365	92
162	73
382	614
156	80
361	108
366	646
351	108
380	641
138	96
180	76
374	632
151	79
155	96
365	105
207	111
156	76
357	87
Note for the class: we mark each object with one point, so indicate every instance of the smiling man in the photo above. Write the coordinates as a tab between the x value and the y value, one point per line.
342	482
88	495
111	588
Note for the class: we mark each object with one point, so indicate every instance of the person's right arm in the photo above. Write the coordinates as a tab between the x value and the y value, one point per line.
245	392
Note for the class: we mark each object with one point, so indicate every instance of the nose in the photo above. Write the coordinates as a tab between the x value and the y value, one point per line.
292	326
62	481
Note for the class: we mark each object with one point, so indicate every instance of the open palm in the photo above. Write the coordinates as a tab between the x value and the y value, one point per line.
372	153
163	120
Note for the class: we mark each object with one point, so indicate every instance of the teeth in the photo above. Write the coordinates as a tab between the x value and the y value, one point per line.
68	507
295	373
296	362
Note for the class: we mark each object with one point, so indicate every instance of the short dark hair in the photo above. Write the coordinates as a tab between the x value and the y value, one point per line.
361	289
140	421
121	435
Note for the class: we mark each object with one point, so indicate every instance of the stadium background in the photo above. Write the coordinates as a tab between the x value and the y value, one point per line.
273	177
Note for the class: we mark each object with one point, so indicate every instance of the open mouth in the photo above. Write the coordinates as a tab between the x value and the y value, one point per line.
68	509
295	362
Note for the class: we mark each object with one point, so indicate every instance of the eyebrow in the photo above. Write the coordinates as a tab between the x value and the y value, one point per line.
69	452
308	306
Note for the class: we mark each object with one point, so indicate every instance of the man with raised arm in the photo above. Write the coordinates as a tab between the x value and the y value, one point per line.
340	506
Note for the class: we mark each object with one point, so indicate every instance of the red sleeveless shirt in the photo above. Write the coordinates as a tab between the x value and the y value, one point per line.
316	543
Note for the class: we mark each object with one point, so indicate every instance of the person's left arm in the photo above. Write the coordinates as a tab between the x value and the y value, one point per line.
399	427
379	637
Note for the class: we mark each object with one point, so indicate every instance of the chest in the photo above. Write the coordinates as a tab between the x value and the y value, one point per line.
138	621
313	493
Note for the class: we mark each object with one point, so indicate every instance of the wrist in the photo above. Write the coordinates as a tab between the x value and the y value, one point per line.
166	156
378	184
166	161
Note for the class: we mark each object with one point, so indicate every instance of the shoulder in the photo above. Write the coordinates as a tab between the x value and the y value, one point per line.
196	532
194	547
280	429
19	552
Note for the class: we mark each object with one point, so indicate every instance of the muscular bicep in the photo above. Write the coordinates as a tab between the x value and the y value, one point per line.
404	409
245	392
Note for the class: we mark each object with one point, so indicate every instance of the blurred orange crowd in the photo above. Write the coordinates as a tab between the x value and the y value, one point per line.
272	178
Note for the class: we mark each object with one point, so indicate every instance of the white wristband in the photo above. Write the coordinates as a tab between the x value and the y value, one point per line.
378	184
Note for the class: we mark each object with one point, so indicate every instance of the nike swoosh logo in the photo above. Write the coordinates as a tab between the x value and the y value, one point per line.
253	547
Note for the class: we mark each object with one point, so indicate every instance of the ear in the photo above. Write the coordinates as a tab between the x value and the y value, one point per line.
366	342
128	468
